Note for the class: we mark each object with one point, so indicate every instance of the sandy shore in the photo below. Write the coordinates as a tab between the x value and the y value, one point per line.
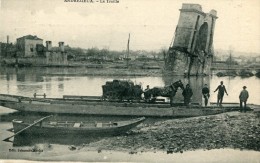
228	130
190	136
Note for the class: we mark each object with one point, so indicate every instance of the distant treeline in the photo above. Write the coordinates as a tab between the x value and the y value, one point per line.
106	54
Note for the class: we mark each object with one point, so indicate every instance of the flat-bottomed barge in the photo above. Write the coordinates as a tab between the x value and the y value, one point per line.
90	105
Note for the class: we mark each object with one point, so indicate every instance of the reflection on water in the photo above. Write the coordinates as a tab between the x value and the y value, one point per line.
27	81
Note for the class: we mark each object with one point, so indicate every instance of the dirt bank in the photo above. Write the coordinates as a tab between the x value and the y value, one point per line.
227	130
123	72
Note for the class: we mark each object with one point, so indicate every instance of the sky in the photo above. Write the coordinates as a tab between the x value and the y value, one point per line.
151	23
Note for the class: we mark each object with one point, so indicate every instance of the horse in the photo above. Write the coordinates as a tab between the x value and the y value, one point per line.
167	91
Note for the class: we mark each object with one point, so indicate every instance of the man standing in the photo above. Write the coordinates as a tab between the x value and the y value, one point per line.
243	98
205	93
147	94
187	94
147	88
221	90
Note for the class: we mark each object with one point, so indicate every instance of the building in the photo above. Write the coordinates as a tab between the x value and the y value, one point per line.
32	46
29	50
29	45
55	57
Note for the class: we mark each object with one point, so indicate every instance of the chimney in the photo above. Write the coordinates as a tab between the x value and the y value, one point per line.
61	45
7	39
48	45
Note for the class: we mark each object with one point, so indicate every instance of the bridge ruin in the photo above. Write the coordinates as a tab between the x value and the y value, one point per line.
191	52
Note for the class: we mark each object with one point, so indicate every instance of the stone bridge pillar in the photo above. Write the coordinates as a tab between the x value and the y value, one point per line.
192	49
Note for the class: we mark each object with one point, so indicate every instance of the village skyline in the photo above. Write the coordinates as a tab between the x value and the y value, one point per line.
108	25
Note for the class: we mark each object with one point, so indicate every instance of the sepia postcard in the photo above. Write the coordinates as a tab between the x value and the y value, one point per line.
130	81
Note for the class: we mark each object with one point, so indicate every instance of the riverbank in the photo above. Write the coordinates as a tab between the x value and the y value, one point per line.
228	130
179	139
235	134
116	71
88	71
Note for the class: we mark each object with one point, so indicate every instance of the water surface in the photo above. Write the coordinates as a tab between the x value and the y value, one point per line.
27	81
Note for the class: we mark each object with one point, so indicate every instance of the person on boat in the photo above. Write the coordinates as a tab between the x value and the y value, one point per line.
205	93
147	88
221	90
243	96
187	94
147	96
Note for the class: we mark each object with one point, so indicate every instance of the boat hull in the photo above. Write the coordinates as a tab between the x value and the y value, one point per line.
50	131
61	106
110	110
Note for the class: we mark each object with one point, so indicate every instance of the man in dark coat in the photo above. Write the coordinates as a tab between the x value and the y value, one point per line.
205	93
221	90
243	96
147	94
187	94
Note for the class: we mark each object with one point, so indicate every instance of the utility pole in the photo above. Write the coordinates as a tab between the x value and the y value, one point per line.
127	57
230	61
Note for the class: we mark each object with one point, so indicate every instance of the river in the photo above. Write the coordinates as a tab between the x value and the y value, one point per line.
27	81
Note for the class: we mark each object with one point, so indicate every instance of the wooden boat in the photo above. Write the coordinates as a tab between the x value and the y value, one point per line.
47	129
89	105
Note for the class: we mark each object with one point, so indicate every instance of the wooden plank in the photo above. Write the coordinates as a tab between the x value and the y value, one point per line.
80	97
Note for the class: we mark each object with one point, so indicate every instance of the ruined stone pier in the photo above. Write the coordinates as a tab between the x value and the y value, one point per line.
192	50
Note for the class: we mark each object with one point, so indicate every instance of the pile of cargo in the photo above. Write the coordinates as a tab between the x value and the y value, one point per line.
121	90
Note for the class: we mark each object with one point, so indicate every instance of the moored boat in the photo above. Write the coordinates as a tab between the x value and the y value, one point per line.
54	128
88	106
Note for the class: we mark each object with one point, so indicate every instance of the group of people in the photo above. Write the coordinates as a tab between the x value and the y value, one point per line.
243	96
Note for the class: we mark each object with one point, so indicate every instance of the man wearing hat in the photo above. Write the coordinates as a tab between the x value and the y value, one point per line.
221	90
205	93
187	94
147	95
243	98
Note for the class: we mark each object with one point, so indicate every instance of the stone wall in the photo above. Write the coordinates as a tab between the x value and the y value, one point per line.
30	47
56	58
27	47
192	49
177	61
184	63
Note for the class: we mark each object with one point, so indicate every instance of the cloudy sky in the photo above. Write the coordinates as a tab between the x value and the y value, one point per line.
150	22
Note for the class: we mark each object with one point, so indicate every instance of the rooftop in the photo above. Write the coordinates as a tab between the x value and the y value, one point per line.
30	37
